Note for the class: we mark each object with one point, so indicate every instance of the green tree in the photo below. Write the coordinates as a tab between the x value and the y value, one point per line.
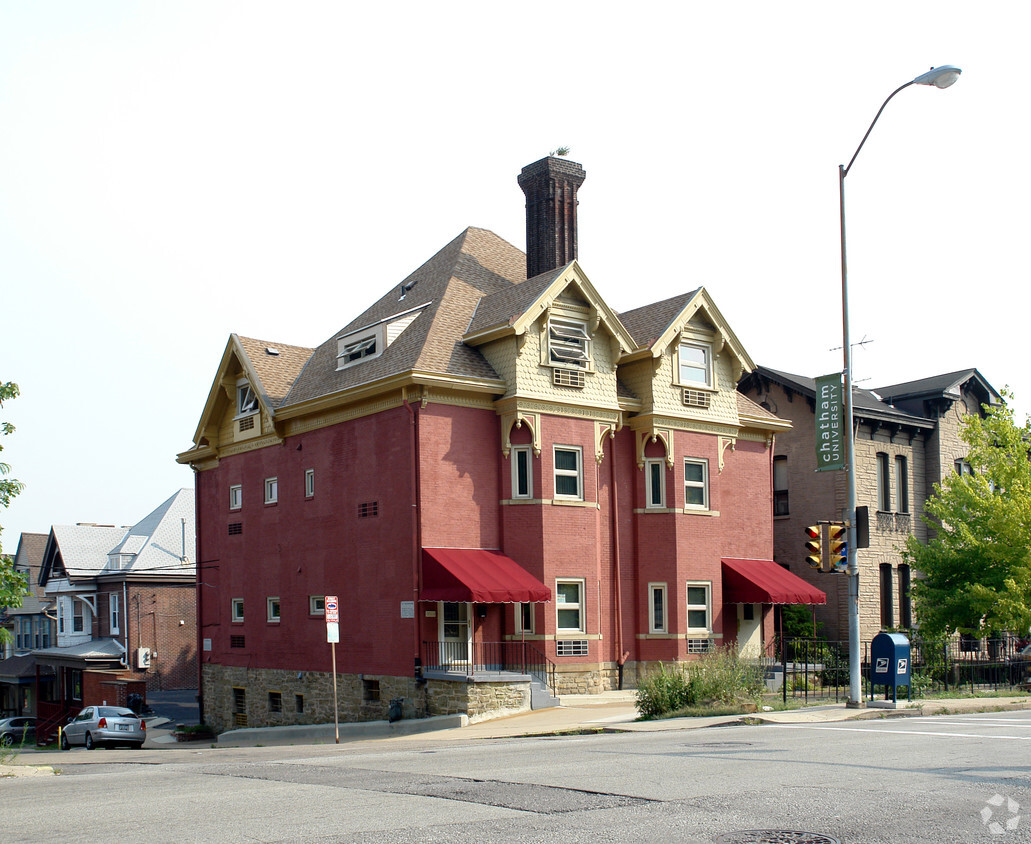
12	583
976	571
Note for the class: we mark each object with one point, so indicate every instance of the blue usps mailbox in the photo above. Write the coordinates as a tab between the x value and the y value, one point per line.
890	664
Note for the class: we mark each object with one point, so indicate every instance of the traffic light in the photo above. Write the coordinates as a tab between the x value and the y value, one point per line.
837	548
814	546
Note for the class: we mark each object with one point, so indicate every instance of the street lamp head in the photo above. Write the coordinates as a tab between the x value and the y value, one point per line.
939	77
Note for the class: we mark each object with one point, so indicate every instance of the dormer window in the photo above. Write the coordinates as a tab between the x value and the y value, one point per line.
695	362
569	344
354	348
246	400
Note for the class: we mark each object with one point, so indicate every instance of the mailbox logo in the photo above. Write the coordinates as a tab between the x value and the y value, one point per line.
903	666
882	665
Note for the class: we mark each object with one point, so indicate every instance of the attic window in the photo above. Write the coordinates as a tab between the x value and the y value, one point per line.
695	362
355	348
246	400
569	344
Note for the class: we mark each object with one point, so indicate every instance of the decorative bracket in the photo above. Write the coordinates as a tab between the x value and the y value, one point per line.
602	430
723	444
517	419
665	435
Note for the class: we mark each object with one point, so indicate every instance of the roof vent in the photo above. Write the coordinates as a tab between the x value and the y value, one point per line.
269	350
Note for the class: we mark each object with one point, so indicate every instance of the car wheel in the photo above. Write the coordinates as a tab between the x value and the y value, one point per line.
64	742
138	746
90	745
6	740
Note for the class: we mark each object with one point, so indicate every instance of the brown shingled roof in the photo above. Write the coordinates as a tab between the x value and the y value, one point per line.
276	371
506	305
477	263
647	324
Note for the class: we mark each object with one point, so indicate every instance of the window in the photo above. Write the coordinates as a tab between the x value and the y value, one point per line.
569	606
698	613
309	483
569	344
299	704
696	484
275	701
655	483
316	605
77	620
883	483
780	486
695	364
963	468
271	490
246	400
114	614
522	472
905	601
370	691
237	609
657	608
60	615
902	483
887	611
367	342
235	497
273	609
524	618
568	472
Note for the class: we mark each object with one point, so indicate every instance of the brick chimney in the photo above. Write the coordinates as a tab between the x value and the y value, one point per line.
550	186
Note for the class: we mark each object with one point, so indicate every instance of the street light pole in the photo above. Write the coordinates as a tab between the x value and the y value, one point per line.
940	77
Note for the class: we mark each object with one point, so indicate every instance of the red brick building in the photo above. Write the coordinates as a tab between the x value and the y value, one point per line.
505	483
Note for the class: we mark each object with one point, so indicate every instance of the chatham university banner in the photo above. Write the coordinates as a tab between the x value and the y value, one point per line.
830	440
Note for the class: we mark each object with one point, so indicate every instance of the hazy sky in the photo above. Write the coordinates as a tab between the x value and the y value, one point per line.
171	173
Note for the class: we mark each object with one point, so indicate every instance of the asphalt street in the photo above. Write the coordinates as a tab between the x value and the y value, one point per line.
917	779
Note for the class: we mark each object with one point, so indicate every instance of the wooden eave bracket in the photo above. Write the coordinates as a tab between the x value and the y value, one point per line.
653	434
516	419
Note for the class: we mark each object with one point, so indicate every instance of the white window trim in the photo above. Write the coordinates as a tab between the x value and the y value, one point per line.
704	485
270	616
653	589
247	403
707	585
313	607
271	490
76	603
578	473
237	610
309	483
569	340
651	466
578	605
236	496
114	616
514	454
710	382
359	342
519	626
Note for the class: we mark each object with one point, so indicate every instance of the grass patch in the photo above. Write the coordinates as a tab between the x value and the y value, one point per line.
716	683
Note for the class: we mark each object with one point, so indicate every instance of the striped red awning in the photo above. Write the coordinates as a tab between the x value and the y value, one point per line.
765	582
473	575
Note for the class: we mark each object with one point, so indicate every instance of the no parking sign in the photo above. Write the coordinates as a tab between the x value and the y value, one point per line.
332	619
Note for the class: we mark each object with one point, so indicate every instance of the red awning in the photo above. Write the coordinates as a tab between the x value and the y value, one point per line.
764	582
478	576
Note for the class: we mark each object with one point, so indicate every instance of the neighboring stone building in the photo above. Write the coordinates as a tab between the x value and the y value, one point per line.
507	485
125	604
907	439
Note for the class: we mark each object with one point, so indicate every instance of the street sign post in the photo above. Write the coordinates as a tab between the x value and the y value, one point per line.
333	636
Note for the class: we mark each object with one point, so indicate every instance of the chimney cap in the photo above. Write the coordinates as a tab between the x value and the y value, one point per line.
553	164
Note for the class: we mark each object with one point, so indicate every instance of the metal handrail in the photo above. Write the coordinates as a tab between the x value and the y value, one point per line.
479	658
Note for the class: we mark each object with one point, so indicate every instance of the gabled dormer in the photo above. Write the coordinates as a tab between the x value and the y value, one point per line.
552	338
251	382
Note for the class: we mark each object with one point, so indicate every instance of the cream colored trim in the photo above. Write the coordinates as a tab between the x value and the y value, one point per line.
601	430
647	435
565	637
685	636
723	443
517	418
518	404
515	502
249	445
569	502
650	421
680	511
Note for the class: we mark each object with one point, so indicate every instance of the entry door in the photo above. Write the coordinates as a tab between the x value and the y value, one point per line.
749	630
455	633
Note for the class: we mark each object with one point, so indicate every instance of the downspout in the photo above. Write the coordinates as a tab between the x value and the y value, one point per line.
200	614
416	539
618	593
124	621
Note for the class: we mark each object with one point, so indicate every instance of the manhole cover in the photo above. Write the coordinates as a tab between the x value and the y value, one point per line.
774	836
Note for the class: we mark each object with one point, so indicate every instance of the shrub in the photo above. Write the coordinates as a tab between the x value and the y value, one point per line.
718	678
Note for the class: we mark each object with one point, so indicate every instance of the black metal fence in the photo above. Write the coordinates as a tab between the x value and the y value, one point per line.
478	658
817	669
